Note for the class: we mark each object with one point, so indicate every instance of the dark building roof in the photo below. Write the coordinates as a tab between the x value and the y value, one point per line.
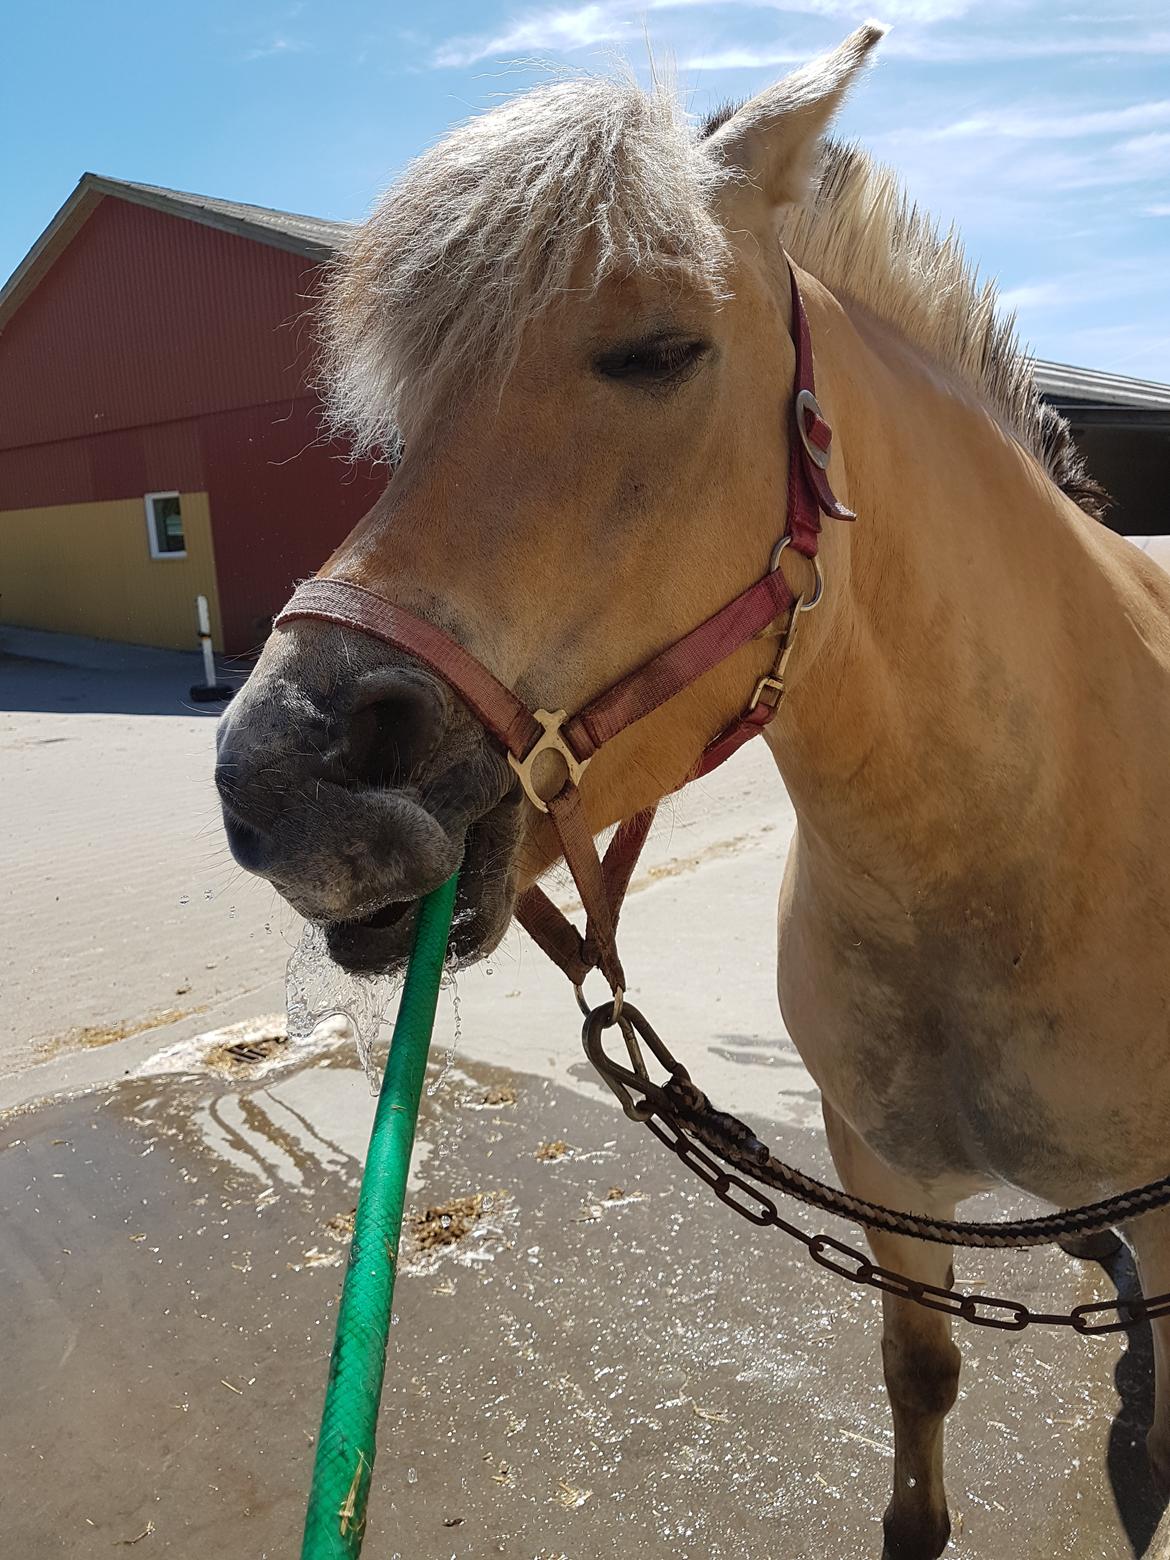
1089	387
1085	394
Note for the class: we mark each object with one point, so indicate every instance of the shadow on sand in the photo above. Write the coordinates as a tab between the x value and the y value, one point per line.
64	675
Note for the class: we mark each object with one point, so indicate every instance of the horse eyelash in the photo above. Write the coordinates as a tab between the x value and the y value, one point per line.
654	361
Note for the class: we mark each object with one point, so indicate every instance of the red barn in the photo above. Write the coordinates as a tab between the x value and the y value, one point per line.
158	436
159	439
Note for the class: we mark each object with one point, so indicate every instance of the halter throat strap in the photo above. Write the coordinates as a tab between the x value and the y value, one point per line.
527	734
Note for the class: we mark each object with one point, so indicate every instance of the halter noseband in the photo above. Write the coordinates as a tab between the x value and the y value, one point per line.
527	735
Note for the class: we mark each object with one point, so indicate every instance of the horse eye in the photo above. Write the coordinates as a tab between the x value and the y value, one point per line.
654	362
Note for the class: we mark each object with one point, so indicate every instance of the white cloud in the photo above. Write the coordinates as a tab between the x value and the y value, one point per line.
543	32
1159	209
277	46
1064	126
1136	278
1036	295
933	47
888	11
566	28
745	59
973	47
1144	156
1123	348
1149	143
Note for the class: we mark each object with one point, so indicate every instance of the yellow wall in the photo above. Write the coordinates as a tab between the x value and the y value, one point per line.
87	569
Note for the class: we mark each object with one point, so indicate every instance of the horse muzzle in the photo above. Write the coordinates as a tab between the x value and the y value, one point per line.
355	783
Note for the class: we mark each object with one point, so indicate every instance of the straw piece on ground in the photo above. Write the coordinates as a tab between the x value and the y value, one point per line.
448	1222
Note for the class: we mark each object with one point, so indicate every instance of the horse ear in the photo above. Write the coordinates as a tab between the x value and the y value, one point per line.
772	140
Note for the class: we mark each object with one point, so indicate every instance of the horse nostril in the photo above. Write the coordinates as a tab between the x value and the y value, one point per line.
395	727
251	849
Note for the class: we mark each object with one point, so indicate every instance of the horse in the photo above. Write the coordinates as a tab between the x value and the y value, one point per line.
569	329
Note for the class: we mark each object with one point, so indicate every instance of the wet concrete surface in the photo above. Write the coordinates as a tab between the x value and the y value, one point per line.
607	1364
581	1375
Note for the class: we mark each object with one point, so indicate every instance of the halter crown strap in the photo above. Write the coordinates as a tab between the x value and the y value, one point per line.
809	493
521	731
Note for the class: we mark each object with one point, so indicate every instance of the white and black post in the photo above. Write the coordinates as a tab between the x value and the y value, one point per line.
209	690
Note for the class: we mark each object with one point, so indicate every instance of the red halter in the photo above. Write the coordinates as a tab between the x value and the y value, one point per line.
526	734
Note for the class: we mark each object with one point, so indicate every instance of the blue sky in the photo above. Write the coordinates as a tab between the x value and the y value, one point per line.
1041	129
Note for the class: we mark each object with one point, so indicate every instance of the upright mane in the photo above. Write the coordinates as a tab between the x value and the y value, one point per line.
586	177
861	235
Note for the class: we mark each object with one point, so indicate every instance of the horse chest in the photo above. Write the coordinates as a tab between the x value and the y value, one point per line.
948	1067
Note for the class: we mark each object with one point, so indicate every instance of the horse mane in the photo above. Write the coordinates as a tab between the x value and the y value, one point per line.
862	236
589	176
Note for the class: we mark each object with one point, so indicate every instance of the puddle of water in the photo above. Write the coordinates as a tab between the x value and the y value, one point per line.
250	1050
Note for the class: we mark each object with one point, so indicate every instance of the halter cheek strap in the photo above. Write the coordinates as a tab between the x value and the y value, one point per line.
527	735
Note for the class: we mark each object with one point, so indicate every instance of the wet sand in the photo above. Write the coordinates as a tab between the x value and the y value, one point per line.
582	1374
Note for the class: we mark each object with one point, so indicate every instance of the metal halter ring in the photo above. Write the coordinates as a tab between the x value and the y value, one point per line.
819	589
587	1011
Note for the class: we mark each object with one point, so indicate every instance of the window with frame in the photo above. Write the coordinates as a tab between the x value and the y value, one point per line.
164	526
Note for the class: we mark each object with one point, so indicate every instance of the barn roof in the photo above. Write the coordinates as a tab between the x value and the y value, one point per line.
1085	394
1091	399
312	237
1072	387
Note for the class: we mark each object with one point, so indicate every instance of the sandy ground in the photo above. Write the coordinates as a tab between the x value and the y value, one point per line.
582	1374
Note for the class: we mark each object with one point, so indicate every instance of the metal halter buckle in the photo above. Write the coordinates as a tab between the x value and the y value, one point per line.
551	740
806	401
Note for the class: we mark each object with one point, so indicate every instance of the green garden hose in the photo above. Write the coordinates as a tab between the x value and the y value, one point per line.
335	1523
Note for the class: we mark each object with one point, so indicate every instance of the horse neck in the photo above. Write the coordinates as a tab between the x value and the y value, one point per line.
934	713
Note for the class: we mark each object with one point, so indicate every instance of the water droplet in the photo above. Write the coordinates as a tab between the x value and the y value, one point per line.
445	1221
209	893
232	910
184	899
488	970
268	926
411	1476
449	982
316	989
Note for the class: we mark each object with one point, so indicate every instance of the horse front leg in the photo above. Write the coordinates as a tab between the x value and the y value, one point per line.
1150	1237
921	1362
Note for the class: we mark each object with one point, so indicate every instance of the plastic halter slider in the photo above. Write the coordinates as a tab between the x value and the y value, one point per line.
551	740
